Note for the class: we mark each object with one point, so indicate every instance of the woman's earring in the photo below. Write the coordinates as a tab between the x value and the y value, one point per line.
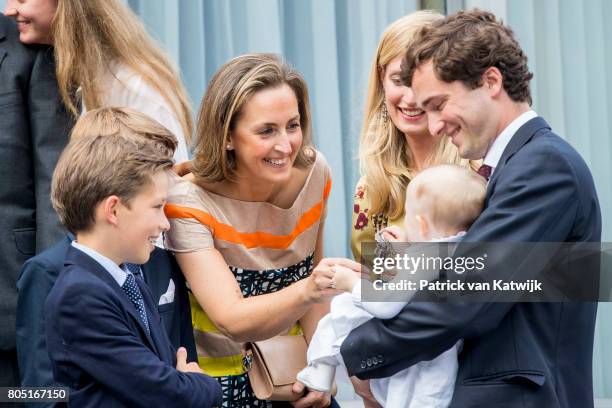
384	114
228	147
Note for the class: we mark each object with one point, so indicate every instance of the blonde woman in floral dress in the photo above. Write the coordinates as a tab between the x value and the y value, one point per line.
395	141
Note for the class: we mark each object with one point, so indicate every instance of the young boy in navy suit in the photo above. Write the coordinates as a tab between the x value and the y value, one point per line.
38	275
104	334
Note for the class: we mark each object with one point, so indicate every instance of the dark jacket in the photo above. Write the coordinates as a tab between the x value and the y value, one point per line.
38	276
34	129
100	348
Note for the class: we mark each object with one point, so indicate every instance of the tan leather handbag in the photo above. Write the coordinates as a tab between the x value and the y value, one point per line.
273	365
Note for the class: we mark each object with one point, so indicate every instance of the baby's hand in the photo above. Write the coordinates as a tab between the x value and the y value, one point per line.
393	234
344	278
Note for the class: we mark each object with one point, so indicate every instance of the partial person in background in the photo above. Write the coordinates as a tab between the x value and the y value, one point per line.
247	223
38	275
104	55
395	141
34	129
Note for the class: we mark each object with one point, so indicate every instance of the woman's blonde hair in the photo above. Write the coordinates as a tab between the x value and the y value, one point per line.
228	92
384	154
89	35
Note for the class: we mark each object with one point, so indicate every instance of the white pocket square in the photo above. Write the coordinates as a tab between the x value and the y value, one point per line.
167	297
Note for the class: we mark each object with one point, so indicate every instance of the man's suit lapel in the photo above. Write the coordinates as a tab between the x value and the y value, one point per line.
76	257
154	320
522	136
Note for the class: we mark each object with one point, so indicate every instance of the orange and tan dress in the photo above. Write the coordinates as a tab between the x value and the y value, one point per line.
266	247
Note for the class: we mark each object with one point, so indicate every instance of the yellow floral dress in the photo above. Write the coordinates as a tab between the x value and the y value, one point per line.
365	224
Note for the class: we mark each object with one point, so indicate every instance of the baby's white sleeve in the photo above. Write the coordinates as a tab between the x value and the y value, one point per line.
380	310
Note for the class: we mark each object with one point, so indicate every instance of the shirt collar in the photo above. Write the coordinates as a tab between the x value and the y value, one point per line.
453	238
111	267
499	144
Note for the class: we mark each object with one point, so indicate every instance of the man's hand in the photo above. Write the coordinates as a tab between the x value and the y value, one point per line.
362	388
314	399
183	366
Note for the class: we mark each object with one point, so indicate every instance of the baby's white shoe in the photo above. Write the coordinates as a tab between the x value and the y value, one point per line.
318	377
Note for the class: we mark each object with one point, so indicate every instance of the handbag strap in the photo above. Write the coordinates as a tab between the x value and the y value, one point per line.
247	359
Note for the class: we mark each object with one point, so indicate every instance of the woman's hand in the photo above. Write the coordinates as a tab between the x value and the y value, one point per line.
319	284
183	168
314	399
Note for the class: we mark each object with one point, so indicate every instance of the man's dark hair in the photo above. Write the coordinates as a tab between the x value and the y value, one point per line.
465	44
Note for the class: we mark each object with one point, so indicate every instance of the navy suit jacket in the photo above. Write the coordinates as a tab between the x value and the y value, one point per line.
100	349
38	275
514	354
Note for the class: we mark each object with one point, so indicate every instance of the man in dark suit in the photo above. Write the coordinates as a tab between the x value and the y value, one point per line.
470	76
33	131
161	273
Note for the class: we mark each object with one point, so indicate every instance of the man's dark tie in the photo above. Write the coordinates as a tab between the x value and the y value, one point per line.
133	293
485	171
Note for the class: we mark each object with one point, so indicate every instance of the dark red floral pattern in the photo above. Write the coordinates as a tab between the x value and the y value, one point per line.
361	222
362	216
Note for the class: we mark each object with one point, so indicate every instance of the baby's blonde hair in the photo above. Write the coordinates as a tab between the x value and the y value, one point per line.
450	196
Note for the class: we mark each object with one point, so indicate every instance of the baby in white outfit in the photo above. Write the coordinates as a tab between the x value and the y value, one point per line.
441	204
